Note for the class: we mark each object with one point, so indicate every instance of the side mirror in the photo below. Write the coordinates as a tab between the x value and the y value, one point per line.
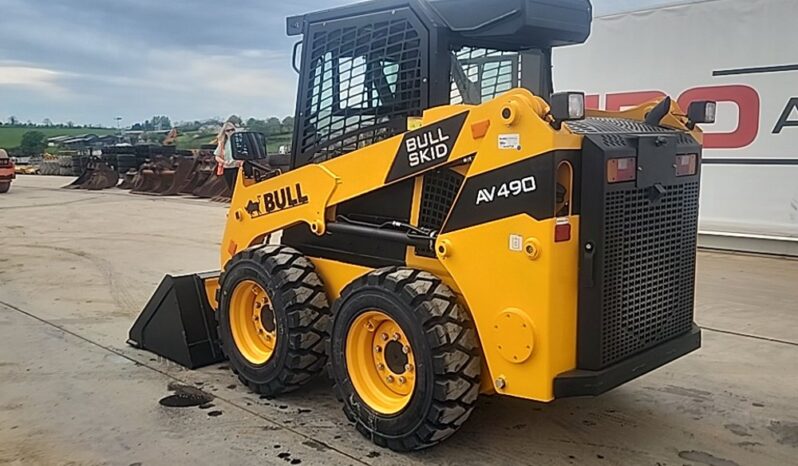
702	111
247	145
567	106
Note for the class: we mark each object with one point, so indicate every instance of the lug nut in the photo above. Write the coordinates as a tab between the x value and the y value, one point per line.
378	349
389	379
402	379
384	337
381	366
409	367
501	383
406	349
396	336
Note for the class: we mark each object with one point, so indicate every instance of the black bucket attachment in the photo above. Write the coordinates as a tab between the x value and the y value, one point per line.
178	322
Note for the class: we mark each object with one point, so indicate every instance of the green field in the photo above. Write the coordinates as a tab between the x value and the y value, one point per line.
10	137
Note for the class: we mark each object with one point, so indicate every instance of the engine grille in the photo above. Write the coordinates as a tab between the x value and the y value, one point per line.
437	196
648	268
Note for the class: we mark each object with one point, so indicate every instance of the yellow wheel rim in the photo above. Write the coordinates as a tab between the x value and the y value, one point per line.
380	362
252	322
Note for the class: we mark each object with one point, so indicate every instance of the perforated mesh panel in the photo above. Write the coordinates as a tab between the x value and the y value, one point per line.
648	268
598	125
479	75
437	196
364	80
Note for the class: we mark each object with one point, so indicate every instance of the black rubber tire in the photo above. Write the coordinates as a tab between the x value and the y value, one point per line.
4	187
445	348
301	311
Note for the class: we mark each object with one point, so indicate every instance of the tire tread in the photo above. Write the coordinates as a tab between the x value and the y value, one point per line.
307	314
456	359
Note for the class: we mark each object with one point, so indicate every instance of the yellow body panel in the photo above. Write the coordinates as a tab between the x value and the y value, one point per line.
523	302
542	290
336	275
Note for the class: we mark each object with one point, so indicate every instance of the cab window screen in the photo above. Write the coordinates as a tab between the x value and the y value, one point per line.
364	80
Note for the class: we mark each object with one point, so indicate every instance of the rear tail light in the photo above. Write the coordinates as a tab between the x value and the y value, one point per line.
686	165
620	170
562	230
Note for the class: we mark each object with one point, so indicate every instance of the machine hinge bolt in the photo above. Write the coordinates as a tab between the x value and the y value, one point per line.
384	337
406	349
397	337
378	349
409	367
402	379
389	379
501	383
381	366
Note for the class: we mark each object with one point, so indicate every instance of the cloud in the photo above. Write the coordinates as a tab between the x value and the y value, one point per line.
33	78
91	60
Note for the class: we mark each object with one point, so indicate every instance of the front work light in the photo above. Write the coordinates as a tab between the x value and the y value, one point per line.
702	111
567	106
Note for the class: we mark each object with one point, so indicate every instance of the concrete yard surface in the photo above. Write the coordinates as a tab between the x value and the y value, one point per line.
76	267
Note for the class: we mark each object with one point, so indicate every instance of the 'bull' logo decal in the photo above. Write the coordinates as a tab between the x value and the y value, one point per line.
279	199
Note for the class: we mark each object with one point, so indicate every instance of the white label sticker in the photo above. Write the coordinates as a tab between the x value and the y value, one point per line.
509	141
516	243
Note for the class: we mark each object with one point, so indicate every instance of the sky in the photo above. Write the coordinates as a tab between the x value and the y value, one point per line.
89	61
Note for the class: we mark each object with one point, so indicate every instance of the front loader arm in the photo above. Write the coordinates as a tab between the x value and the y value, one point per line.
448	134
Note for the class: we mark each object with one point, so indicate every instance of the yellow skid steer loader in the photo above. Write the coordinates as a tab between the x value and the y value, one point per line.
446	226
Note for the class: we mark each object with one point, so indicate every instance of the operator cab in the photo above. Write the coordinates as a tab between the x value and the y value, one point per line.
368	69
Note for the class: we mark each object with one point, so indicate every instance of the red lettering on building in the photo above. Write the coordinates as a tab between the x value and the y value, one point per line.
744	97
624	100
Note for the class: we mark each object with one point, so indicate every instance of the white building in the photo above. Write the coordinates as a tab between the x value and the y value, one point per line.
741	53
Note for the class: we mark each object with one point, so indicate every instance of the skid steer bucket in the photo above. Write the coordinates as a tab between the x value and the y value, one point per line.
102	177
182	174
81	179
213	186
148	179
97	175
202	172
127	181
178	322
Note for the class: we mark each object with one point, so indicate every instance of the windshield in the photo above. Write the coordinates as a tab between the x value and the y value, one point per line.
480	74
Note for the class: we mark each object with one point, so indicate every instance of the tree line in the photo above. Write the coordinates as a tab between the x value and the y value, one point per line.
14	122
268	126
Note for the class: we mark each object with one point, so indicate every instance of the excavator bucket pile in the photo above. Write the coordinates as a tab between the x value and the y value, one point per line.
183	168
203	170
127	180
213	186
97	175
154	177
